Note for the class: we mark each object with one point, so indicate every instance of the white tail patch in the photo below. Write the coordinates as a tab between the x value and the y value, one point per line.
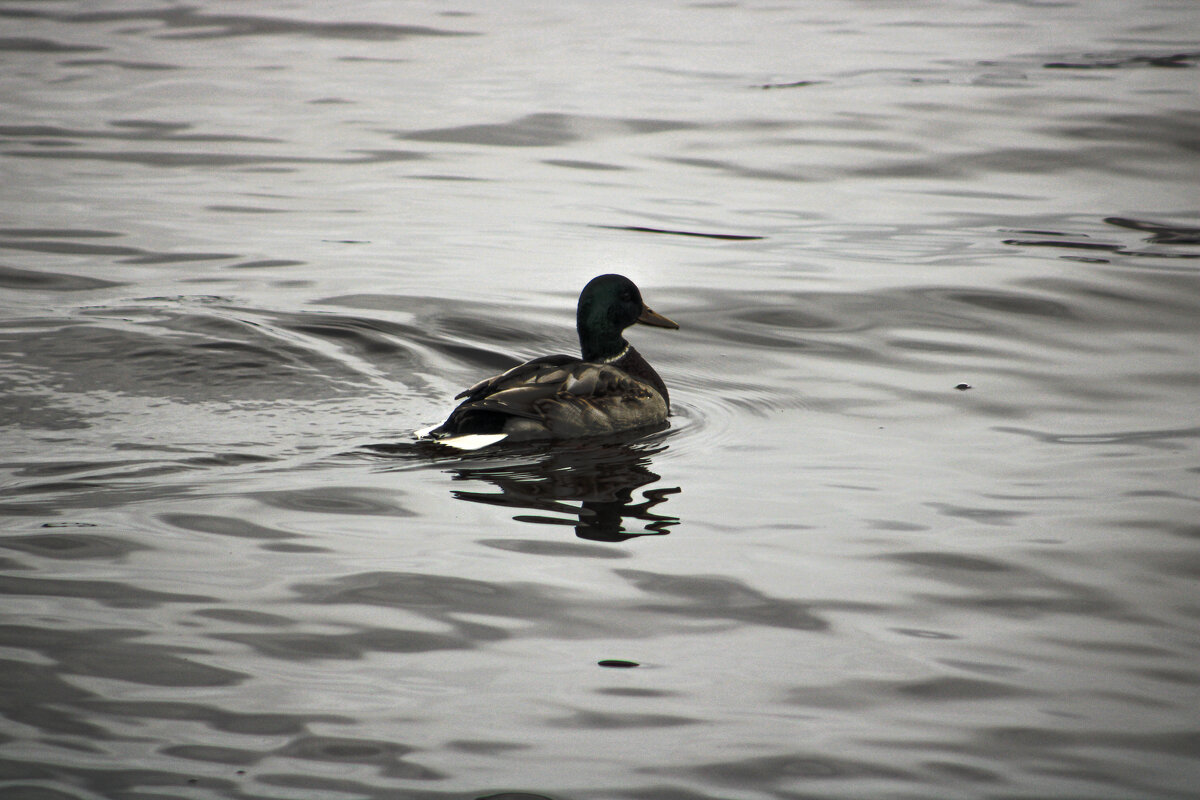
472	441
466	441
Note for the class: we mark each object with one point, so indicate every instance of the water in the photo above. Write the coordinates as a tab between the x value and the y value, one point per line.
924	522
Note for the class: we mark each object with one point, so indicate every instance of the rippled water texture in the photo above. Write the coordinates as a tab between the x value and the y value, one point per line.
923	523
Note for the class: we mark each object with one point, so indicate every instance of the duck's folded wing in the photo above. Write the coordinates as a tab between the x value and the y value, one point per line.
534	389
519	401
546	369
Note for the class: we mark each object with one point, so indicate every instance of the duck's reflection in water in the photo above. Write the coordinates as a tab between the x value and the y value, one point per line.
599	474
600	477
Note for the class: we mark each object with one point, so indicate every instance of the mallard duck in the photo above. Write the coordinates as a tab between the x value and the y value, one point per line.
609	390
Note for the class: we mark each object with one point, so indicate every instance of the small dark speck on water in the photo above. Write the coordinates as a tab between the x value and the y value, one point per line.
617	663
962	387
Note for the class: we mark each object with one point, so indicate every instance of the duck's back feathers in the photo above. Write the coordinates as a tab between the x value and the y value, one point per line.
539	370
556	397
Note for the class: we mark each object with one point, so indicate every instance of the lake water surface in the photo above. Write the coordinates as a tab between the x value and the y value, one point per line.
924	523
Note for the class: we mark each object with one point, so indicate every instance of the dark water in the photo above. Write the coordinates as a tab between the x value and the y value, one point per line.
924	523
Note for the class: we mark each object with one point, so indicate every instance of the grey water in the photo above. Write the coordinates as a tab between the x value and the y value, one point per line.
924	522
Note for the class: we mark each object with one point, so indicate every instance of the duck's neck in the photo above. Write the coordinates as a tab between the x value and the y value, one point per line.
599	340
606	352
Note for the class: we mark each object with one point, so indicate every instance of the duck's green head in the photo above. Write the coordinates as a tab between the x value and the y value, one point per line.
607	306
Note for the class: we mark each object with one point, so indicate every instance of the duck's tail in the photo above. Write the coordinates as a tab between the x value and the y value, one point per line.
462	441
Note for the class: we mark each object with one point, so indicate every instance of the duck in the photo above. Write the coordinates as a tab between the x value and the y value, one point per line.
610	389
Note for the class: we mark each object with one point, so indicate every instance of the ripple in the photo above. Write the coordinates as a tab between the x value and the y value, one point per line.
597	720
1150	438
336	500
733	237
763	772
112	654
556	549
191	23
383	754
714	598
1173	60
176	348
71	546
137	66
545	130
954	689
224	526
114	594
175	159
13	278
238	757
1160	233
357	646
29	44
